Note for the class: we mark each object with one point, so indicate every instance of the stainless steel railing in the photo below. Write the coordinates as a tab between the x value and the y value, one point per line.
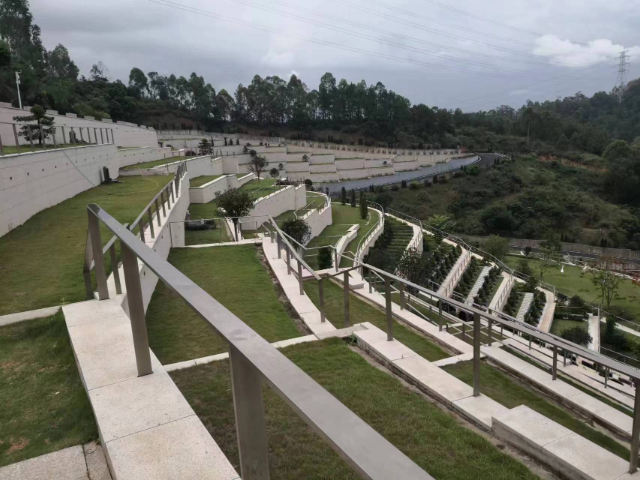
254	363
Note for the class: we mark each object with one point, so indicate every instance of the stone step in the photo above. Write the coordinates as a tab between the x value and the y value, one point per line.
525	306
556	446
478	285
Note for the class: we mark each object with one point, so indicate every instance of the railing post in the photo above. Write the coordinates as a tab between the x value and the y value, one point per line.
335	258
464	330
387	294
162	202
136	310
1	147
101	137
489	332
300	277
288	259
141	227
157	213
15	135
554	367
346	299
476	354
98	261
248	406
401	288
173	198
321	300
114	268
81	136
440	315
370	283
150	215
279	246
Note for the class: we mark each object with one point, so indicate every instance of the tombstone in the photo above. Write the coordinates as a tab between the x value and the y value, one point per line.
73	138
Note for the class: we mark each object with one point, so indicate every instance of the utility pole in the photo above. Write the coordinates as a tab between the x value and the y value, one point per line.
18	87
621	83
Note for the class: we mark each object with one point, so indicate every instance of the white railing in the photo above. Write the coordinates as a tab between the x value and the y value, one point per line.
363	245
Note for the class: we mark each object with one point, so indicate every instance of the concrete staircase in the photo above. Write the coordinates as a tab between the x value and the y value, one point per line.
402	235
524	306
478	285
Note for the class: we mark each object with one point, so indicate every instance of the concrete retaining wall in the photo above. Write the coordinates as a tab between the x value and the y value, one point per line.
124	134
146	154
318	220
31	182
289	198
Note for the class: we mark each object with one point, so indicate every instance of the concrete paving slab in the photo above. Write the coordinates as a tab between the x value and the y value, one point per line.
30	315
447	387
453	360
392	350
418	368
91	311
586	459
145	402
313	321
96	462
481	409
178	450
532	427
341	332
67	464
604	413
93	337
295	341
371	335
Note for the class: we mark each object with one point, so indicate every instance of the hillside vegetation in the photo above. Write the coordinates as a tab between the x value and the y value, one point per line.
525	198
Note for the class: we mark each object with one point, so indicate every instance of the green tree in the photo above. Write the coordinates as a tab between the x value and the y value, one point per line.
577	335
43	127
5	54
325	259
138	81
257	164
605	281
343	196
549	255
364	206
497	246
353	198
274	173
60	65
236	204
297	229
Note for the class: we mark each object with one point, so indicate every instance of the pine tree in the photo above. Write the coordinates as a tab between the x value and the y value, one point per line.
364	207
353	198
343	196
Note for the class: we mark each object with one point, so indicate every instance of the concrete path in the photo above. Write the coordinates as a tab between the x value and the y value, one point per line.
478	285
74	463
29	315
502	294
586	404
454	274
546	320
594	331
143	421
302	304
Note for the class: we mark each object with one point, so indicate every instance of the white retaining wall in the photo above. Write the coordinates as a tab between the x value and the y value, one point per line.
209	191
318	220
31	182
288	198
146	154
125	134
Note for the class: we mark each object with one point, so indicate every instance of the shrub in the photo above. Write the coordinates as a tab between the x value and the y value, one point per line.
577	335
308	182
325	259
414	185
395	188
297	229
403	184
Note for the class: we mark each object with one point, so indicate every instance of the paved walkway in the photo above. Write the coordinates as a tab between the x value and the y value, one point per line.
478	285
594	331
74	463
143	421
502	294
546	320
524	306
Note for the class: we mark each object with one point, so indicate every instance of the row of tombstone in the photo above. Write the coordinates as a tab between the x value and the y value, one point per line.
349	148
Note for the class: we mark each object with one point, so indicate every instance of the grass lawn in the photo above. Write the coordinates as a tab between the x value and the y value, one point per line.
426	434
559	325
155	163
343	218
365	226
41	261
10	150
44	405
220	234
501	388
360	311
572	282
235	277
199	181
258	189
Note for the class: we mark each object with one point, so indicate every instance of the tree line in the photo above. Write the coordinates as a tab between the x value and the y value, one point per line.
358	113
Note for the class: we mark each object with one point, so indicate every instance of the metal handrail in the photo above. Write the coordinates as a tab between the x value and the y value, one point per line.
372	231
253	362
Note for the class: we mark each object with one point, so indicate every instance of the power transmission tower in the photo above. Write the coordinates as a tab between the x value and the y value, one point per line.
621	83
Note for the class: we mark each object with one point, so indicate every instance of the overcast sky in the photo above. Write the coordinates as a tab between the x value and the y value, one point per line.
448	53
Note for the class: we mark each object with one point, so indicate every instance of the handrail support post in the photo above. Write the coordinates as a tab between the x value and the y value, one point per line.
98	261
346	299
476	354
387	294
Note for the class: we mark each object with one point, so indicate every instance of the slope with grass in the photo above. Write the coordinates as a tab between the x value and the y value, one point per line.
236	278
366	226
155	163
44	405
201	180
41	261
426	434
361	311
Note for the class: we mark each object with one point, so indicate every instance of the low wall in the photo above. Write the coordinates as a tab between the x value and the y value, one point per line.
31	182
288	198
341	246
209	191
318	220
95	131
370	240
145	154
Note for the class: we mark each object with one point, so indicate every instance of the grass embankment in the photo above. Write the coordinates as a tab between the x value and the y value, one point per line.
199	181
155	163
44	405
365	226
498	386
10	150
41	261
426	434
343	218
360	311
235	277
572	282
559	325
